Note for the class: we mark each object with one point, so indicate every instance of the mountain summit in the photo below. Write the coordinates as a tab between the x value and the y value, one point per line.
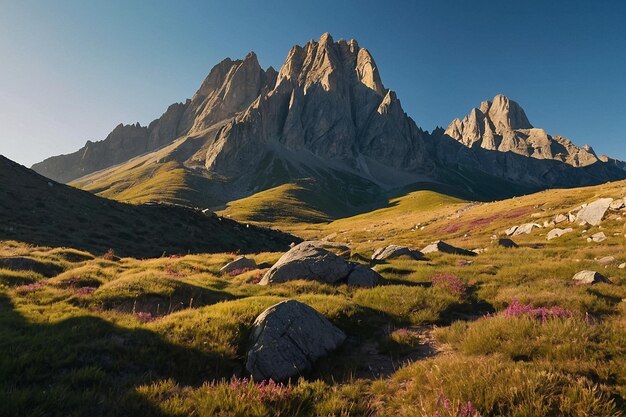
502	125
326	122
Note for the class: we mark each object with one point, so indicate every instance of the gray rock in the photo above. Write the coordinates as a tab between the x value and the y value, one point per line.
310	262
598	237
594	212
441	246
607	260
510	230
560	218
525	229
287	339
554	233
589	277
241	263
507	243
618	204
363	276
395	251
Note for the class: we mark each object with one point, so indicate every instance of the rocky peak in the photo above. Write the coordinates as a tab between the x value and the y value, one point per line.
505	114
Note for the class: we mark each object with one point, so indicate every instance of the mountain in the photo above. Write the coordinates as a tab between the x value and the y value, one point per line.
37	210
323	125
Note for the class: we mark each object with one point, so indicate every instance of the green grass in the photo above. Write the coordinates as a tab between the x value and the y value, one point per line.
73	353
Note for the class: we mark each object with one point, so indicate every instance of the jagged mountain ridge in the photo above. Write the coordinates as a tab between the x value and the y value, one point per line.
326	115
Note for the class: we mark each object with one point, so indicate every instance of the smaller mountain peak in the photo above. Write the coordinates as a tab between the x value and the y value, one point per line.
506	113
326	38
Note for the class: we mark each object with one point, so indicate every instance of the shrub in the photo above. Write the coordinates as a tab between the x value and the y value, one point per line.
451	283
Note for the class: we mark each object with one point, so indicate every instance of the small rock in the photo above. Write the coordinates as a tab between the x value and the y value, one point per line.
441	246
241	263
618	204
507	243
622	266
554	233
589	277
395	251
598	237
607	260
560	218
526	229
463	262
510	230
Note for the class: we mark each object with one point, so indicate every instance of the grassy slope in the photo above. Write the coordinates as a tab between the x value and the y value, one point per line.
93	354
38	211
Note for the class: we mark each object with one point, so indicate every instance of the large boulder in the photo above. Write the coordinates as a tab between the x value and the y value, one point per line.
441	246
287	339
308	261
556	232
395	251
594	212
589	277
240	264
363	276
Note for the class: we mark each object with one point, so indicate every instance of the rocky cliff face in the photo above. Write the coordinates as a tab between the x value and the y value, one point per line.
328	102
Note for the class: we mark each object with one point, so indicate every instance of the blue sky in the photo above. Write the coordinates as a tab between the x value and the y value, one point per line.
72	70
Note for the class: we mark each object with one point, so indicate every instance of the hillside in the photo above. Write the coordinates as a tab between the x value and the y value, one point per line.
168	336
42	212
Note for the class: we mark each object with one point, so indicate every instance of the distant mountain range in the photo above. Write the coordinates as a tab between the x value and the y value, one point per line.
326	120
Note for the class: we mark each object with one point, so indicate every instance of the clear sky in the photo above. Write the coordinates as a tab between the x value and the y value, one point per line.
72	70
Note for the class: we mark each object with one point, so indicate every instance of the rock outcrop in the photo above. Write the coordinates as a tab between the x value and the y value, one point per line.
557	232
287	339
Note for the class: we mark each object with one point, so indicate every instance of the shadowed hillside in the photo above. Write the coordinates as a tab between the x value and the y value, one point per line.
36	210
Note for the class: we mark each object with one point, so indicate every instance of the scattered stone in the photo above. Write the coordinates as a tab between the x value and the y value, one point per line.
308	261
525	229
622	266
618	204
560	218
441	246
607	260
536	215
510	230
594	212
478	251
548	224
363	276
589	277
463	262
554	233
598	237
242	263
287	339
507	243
571	217
395	251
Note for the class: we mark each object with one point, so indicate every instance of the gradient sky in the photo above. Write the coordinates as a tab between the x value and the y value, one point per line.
72	70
